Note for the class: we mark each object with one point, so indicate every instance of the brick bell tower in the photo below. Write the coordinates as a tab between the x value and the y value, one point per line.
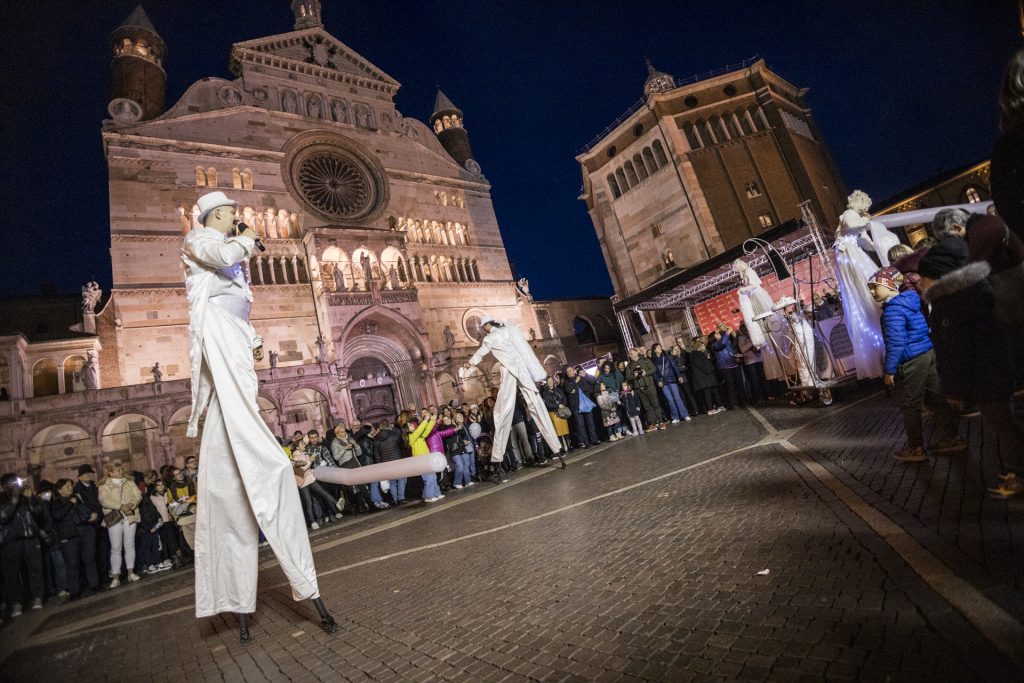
447	123
137	72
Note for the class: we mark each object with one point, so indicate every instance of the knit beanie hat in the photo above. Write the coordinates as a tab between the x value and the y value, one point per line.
948	255
889	277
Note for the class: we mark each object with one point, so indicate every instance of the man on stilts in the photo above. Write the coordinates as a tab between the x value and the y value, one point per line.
520	370
246	483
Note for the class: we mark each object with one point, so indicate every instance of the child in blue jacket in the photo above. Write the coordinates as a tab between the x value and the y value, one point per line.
910	365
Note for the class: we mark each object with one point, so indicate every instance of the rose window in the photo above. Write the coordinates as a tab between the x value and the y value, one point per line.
334	185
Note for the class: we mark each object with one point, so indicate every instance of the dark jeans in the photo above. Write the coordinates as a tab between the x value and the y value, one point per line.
917	383
674	400
585	431
996	416
651	405
688	399
754	374
70	550
733	380
710	397
169	539
87	553
306	493
147	548
14	554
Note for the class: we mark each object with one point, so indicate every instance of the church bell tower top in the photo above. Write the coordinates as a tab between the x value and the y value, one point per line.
307	14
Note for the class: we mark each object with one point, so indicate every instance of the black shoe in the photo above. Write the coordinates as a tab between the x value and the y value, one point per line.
329	625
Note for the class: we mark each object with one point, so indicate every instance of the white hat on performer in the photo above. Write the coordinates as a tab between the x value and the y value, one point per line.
213	200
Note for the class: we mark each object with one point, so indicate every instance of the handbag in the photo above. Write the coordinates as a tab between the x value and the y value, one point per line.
112	518
563	412
611	419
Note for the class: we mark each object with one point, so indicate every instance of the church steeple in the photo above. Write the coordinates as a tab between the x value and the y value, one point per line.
307	14
137	71
447	123
657	81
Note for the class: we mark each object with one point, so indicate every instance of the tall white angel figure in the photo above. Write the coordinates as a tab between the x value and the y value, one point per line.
755	302
853	269
875	236
520	370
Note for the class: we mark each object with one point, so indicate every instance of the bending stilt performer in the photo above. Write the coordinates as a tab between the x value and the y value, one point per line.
520	370
246	482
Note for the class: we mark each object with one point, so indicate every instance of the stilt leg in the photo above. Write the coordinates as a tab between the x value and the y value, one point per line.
327	622
243	629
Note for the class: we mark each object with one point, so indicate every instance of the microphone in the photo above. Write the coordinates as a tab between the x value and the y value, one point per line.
242	227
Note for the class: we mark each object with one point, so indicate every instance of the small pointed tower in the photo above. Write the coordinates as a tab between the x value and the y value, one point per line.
137	72
657	81
307	14
447	123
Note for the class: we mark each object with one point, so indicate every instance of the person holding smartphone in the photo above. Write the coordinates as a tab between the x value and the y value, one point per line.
19	531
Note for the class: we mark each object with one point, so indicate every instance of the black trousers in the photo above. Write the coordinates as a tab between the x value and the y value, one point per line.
87	554
70	550
710	397
20	552
754	374
733	380
585	431
169	539
688	399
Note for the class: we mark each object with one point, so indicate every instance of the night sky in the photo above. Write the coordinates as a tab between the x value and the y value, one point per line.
901	91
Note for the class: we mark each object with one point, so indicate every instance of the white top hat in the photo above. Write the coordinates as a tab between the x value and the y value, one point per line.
212	200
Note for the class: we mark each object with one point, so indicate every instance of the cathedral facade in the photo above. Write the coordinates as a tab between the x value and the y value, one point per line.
383	252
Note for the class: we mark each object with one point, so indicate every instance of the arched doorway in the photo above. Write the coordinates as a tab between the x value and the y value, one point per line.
372	390
44	378
58	450
306	409
135	440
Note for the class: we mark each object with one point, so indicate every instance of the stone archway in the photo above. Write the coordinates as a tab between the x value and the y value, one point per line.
372	389
304	409
57	451
135	440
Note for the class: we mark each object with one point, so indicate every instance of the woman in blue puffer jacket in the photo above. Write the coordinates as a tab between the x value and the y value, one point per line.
666	374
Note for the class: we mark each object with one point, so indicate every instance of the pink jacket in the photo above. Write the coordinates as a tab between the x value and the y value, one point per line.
435	440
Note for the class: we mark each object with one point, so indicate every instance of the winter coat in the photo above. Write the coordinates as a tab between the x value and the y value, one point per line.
365	441
21	519
113	495
345	452
970	346
665	369
418	438
750	352
587	384
630	403
303	469
149	514
321	456
613	381
905	330
725	354
646	380
907	265
553	397
436	437
989	239
571	391
682	365
701	370
387	445
67	514
1007	178
460	441
90	497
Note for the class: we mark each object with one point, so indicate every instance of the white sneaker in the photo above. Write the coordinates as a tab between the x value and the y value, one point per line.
340	505
338	516
688	418
470	483
115	581
314	526
132	576
675	422
16	610
166	564
458	486
264	544
63	594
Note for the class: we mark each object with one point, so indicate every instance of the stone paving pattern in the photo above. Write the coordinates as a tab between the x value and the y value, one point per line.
655	583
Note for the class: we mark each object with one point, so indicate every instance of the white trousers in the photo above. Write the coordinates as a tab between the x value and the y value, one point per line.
505	405
245	483
122	536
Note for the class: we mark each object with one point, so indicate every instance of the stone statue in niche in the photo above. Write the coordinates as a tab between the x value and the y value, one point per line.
321	350
523	288
90	372
91	295
449	338
339	110
273	359
158	374
313	107
230	96
124	110
533	334
288	103
393	278
367	269
260	95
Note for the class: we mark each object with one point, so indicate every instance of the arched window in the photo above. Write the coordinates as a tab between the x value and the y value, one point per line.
282	224
631	174
613	186
744	122
463	237
44	378
211	177
649	160
691	136
72	374
476	271
435	269
584	331
638	164
236	179
765	220
722	129
623	183
247	179
300	270
972	195
200	177
446	269
659	153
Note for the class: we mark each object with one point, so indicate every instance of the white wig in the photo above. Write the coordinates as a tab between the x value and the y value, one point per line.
859	201
739	265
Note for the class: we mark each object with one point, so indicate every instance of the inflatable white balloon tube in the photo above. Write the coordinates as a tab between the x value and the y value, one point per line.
385	471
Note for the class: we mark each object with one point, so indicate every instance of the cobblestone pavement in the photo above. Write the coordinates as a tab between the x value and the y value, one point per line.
645	560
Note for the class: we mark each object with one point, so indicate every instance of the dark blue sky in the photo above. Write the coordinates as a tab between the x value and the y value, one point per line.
901	91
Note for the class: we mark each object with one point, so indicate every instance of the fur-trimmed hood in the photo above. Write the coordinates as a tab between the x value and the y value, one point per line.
958	280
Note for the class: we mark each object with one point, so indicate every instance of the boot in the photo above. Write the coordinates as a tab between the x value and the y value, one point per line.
243	629
327	622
